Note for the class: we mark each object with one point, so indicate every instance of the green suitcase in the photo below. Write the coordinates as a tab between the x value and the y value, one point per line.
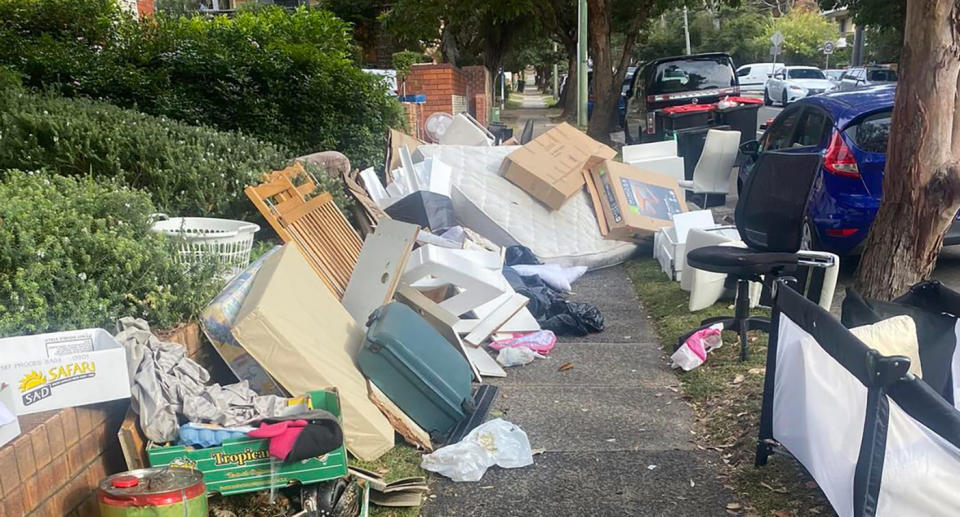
417	368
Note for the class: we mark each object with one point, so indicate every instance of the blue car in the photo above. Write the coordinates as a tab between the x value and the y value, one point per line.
851	130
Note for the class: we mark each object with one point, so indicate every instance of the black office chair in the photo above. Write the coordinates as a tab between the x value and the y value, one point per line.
769	218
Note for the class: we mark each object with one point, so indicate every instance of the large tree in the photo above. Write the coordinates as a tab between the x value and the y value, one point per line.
921	185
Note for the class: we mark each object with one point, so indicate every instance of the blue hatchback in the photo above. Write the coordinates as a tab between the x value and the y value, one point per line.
851	130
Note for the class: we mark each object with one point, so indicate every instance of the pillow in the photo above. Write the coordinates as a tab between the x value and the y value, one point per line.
893	336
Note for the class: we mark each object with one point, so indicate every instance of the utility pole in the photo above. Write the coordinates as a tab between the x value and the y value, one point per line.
582	65
686	29
556	74
857	58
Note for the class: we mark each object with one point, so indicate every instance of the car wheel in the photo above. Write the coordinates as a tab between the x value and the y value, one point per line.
808	237
783	100
767	101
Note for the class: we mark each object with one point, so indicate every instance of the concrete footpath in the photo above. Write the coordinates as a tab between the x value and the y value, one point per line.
617	439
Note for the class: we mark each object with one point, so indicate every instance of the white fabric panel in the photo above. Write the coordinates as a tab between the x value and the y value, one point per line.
490	205
818	413
955	367
920	471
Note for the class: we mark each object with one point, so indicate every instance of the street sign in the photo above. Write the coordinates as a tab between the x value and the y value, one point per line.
777	39
828	48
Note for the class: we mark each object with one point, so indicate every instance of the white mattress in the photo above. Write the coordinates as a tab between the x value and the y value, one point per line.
500	211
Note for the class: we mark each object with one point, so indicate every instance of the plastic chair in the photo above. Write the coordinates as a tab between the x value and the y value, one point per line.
712	173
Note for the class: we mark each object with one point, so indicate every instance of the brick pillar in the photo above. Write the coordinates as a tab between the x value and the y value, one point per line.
478	89
145	8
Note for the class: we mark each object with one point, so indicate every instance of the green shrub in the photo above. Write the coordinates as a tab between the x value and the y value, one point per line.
286	77
187	170
78	253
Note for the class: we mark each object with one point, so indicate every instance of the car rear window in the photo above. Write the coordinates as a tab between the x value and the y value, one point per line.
687	75
805	73
870	134
881	75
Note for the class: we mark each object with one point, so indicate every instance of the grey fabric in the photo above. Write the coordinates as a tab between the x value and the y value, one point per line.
165	383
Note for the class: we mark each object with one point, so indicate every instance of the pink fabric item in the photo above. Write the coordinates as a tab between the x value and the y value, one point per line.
282	436
541	341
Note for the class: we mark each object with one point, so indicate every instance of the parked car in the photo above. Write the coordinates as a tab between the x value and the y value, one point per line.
754	76
792	83
862	77
672	81
834	75
851	130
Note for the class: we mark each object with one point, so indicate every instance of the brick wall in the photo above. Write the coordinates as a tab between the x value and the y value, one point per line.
439	83
145	8
54	467
478	92
414	115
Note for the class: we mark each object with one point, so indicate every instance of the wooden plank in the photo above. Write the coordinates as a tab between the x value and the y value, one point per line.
306	208
378	268
439	318
402	424
132	442
487	365
502	314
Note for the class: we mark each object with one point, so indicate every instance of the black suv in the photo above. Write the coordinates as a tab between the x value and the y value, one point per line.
672	81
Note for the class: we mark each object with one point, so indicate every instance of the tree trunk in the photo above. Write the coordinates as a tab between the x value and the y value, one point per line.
604	102
921	185
569	102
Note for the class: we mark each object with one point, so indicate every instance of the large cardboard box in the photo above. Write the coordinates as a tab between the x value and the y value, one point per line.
292	325
64	369
549	168
241	465
631	203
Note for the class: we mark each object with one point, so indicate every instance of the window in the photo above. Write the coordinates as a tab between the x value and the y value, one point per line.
743	72
814	127
693	74
882	75
806	73
871	133
781	131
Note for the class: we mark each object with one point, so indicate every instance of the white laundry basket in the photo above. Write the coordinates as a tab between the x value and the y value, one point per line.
200	237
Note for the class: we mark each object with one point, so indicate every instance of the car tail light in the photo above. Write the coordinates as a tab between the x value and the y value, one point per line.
651	122
841	232
839	160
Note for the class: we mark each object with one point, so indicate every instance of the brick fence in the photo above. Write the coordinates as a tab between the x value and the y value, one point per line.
446	87
54	467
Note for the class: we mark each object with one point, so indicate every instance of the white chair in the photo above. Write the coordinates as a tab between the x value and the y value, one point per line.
655	156
712	173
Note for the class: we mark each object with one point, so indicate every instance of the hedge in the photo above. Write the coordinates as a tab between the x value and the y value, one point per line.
77	253
187	170
286	77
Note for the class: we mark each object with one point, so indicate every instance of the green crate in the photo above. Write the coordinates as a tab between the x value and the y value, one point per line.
243	465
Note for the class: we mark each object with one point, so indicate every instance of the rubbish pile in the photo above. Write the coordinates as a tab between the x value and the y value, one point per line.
469	254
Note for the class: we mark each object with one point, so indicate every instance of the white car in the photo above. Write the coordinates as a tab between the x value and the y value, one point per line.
792	83
754	76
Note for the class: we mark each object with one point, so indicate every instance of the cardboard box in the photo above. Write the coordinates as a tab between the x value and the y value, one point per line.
549	167
631	203
64	369
243	465
296	329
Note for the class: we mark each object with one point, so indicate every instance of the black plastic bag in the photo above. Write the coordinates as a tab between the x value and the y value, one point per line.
518	254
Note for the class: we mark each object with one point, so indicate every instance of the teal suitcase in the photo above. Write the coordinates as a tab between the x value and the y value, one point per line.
417	368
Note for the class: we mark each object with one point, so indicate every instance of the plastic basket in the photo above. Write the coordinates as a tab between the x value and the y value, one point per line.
203	237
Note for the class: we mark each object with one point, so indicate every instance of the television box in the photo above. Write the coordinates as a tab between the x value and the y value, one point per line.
243	465
631	203
549	167
64	369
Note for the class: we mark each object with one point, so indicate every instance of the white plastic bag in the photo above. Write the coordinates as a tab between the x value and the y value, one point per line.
516	356
496	442
693	352
554	275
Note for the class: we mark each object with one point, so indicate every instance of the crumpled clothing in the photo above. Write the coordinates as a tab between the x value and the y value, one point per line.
165	383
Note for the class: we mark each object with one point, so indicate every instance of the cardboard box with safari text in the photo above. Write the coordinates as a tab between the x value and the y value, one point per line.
549	168
631	203
64	369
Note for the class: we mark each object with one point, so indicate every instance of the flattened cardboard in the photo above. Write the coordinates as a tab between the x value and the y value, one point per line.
631	203
396	140
294	327
549	167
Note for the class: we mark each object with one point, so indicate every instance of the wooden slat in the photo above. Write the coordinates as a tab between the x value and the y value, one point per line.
306	208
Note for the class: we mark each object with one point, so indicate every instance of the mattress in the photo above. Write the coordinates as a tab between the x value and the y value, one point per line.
500	211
